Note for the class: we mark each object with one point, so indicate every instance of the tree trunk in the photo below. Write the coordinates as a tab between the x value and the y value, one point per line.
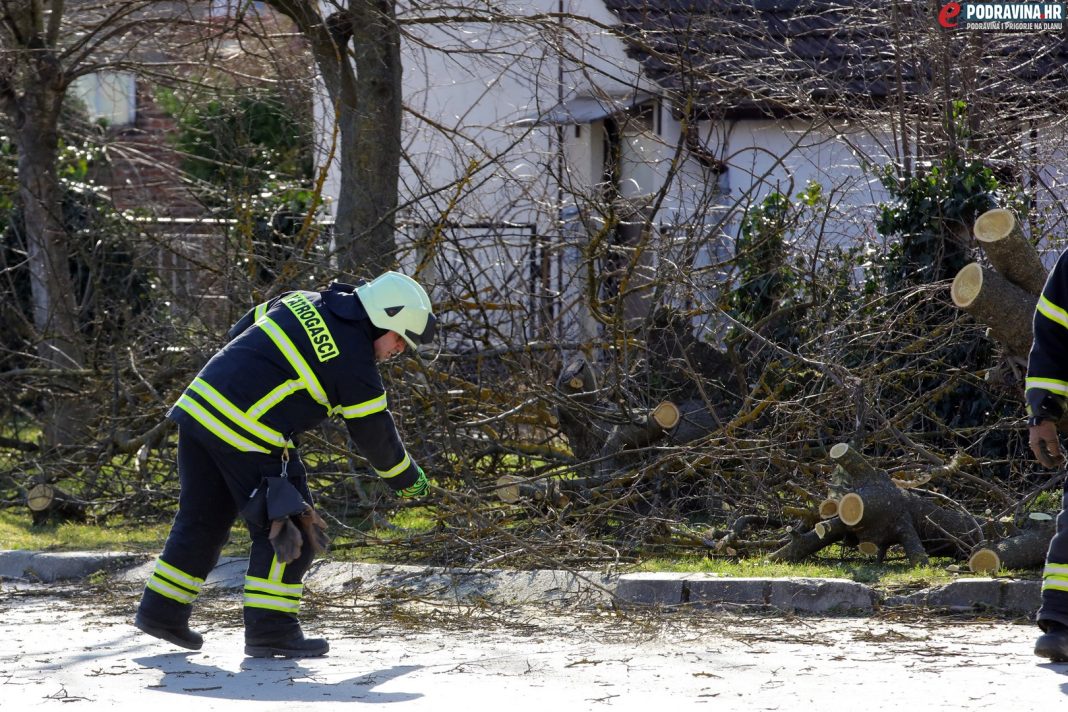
367	104
578	412
371	142
34	108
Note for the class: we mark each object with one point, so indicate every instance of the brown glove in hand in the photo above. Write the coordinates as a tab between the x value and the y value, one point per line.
314	530
286	540
1045	444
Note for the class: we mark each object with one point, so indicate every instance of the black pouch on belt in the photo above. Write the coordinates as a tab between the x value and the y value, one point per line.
273	504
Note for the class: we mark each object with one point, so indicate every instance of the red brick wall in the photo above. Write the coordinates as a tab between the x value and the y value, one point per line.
143	167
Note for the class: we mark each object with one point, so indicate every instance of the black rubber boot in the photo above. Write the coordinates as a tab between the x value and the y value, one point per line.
1053	643
180	635
295	647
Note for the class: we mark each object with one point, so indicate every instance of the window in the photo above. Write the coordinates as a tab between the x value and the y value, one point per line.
109	97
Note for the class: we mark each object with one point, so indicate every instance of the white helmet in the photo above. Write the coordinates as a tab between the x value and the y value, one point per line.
395	302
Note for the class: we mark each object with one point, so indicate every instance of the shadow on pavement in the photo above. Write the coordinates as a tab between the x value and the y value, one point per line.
273	680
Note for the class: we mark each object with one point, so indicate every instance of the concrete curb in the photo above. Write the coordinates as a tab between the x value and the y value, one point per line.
711	591
49	567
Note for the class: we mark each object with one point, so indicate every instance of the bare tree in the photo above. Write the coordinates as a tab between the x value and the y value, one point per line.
356	46
38	69
44	48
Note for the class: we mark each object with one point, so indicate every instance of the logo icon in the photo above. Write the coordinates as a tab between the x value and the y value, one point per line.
947	16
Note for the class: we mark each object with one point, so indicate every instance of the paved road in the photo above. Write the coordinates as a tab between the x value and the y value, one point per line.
61	648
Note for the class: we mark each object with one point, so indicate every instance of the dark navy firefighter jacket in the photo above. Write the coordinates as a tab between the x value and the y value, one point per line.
291	362
1047	365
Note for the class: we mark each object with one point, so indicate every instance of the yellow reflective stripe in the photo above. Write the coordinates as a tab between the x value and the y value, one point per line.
322	341
217	427
375	405
266	586
172	592
1055	569
1055	585
261	309
1049	384
396	470
295	359
277	569
235	414
178	576
275	397
1052	312
271	603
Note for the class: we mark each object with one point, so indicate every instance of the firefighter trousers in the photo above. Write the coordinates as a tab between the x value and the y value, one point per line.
216	482
1055	575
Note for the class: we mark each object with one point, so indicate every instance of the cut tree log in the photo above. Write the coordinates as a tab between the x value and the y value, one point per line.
828	508
825	533
995	301
1026	550
868	547
666	415
46	502
874	510
604	432
984	561
514	488
851	509
1011	254
643	429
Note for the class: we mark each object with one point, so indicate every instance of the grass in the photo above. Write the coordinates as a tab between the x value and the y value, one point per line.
891	575
18	532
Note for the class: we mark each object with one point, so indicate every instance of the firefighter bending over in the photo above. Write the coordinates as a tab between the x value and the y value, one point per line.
289	363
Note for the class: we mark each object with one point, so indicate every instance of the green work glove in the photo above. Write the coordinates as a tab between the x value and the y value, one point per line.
420	488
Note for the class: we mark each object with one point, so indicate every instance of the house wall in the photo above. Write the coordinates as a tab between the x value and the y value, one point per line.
464	87
1045	154
699	210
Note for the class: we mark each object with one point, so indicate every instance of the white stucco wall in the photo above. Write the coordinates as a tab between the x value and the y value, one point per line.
1046	154
464	87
